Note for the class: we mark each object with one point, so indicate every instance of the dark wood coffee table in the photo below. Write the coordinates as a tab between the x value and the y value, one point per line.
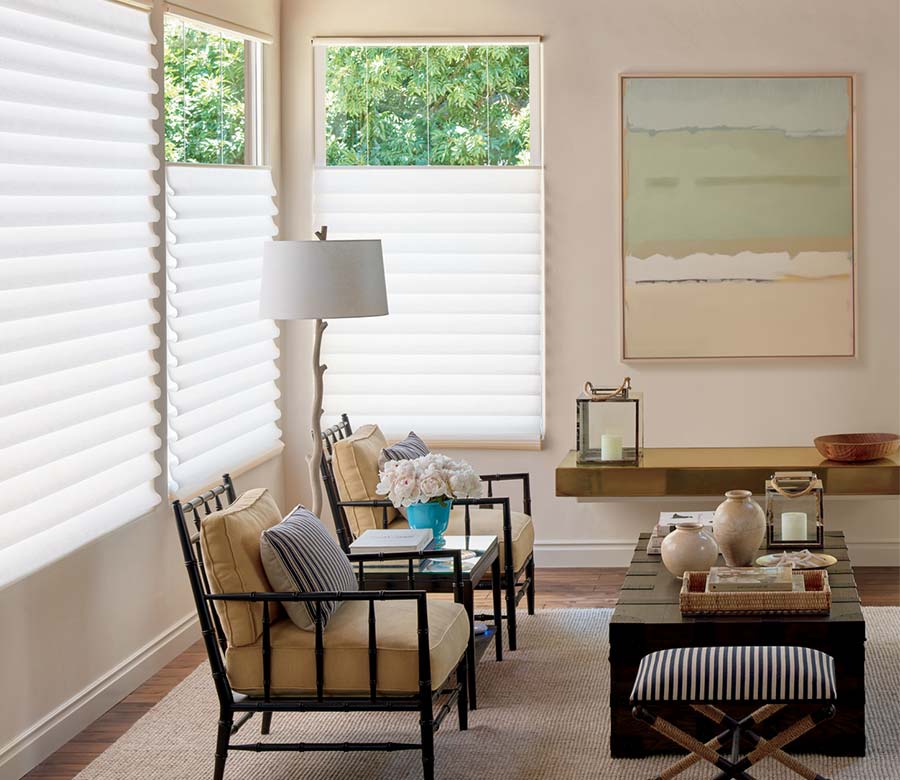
647	618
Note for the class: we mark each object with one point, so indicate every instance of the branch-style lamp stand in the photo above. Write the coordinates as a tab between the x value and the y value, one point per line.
315	280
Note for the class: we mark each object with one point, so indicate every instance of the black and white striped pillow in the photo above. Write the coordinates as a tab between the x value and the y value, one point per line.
299	555
410	448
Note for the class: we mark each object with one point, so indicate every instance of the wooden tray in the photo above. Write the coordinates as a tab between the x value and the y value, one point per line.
694	600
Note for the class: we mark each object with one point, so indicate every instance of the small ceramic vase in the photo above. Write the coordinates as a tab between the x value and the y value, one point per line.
739	526
434	515
688	548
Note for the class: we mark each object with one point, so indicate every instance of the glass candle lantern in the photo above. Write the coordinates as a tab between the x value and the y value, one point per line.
795	510
610	425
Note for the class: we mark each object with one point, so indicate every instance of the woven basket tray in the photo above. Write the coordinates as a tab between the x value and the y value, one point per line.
694	599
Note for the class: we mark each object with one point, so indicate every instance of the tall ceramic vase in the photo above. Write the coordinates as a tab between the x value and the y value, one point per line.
739	526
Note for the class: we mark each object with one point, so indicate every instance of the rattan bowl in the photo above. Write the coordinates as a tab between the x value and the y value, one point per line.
853	447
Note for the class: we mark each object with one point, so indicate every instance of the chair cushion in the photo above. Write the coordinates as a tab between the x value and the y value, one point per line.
489	522
710	674
299	555
229	540
346	659
355	462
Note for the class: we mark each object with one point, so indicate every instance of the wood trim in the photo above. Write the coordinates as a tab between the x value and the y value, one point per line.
854	237
476	444
217	24
62	724
140	5
239	471
427	40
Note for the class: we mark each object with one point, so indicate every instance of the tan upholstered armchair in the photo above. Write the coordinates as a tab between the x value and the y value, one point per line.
392	651
350	472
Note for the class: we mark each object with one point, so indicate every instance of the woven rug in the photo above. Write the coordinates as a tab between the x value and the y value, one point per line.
543	713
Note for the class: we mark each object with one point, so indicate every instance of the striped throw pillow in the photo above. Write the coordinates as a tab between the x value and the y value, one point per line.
410	448
299	555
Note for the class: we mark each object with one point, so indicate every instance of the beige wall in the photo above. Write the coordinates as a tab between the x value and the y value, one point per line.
83	632
586	44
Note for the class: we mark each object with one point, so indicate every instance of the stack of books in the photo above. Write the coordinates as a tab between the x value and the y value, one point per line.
724	579
392	541
668	521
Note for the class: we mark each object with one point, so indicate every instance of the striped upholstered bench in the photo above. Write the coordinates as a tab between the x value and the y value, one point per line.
705	676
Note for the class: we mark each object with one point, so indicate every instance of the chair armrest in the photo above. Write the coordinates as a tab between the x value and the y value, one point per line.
335	595
374	503
523	477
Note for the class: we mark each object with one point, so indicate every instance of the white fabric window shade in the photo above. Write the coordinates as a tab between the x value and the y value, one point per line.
222	392
77	389
459	358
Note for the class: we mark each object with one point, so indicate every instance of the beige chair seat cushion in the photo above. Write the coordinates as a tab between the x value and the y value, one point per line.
489	522
346	643
355	463
230	543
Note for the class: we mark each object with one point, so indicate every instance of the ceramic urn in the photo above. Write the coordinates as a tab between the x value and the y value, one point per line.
739	526
688	548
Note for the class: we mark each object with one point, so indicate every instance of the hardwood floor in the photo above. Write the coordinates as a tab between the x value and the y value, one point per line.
556	589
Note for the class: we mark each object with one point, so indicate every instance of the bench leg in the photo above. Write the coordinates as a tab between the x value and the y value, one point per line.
736	767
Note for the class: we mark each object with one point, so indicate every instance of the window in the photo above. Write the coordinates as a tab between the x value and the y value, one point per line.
427	105
222	374
434	147
77	296
206	98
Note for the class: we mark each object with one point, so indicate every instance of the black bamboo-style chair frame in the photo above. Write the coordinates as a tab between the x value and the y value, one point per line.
516	584
236	709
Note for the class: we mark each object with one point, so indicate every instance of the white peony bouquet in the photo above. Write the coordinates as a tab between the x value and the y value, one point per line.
432	477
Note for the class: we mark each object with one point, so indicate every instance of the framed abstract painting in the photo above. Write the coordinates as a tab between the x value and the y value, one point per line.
738	223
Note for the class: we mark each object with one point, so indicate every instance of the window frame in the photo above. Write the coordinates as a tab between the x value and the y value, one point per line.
254	129
256	154
535	80
533	42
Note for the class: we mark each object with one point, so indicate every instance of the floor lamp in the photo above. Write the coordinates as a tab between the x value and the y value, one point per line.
319	280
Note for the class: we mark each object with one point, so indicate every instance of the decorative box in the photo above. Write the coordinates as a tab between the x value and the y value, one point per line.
795	510
610	425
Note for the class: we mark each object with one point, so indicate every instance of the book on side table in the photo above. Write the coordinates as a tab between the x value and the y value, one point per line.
393	541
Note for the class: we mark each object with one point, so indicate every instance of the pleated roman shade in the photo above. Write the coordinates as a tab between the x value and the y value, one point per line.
459	358
222	392
77	387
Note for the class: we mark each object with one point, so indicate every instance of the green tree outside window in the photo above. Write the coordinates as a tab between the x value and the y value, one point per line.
204	83
427	105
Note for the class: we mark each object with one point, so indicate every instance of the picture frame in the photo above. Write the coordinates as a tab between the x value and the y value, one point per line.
738	295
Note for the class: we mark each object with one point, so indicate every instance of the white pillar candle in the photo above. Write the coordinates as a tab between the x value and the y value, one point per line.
610	447
793	526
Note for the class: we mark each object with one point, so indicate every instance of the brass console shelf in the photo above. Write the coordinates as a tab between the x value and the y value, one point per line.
710	471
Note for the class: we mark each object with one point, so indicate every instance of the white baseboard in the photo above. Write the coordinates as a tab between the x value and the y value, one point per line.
50	733
573	553
879	553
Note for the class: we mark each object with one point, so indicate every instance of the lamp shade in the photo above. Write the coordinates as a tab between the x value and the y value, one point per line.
305	280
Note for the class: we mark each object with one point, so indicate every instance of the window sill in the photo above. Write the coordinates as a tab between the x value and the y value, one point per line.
485	444
236	472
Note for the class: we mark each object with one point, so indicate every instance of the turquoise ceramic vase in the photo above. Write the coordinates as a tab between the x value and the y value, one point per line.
434	515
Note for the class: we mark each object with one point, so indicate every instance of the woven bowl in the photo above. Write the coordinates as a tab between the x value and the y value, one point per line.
853	447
